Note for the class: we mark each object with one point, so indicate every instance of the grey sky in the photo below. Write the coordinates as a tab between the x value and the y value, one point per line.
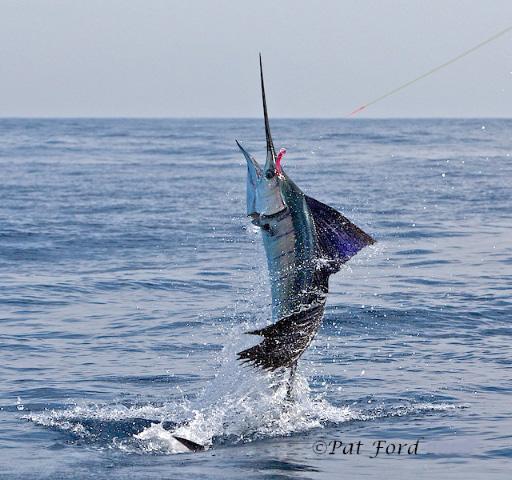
199	58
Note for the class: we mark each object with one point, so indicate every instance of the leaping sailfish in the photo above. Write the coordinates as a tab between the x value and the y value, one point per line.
305	242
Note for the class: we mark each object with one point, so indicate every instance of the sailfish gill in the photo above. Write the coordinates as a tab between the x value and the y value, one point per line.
305	242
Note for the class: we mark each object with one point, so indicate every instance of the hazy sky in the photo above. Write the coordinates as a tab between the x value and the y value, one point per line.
189	58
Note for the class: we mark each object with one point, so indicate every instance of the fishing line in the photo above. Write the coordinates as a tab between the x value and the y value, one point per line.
430	72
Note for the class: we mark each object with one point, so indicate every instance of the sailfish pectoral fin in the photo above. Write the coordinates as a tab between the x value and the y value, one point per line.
251	162
285	341
254	171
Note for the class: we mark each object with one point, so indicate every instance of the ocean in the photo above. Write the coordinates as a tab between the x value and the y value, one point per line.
129	274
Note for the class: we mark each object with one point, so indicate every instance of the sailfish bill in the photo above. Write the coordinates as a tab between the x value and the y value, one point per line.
305	242
271	153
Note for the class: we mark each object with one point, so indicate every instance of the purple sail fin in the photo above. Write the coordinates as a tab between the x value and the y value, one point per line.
338	238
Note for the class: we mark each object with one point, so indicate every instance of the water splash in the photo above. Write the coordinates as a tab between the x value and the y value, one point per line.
237	406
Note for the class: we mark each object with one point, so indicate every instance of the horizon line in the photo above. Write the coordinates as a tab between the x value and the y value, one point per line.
161	117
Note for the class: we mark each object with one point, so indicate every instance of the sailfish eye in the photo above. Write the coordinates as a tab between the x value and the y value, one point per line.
270	174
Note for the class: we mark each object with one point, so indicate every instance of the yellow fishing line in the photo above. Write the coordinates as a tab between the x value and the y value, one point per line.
430	72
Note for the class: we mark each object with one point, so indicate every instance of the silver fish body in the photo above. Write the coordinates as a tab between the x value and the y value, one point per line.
289	238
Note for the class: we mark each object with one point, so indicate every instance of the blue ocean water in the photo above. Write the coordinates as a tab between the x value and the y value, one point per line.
128	274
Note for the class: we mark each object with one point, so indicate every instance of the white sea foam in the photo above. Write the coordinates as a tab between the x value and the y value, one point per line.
239	405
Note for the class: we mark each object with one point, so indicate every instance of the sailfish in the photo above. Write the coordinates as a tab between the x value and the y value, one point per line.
305	241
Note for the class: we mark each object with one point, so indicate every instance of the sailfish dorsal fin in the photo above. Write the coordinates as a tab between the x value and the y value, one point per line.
338	238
